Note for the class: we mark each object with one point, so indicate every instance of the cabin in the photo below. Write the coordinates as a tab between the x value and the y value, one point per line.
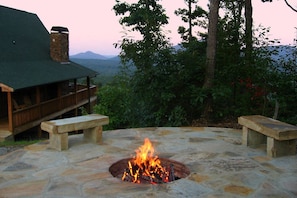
38	82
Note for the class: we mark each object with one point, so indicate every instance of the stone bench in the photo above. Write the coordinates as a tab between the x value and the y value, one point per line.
58	129
279	137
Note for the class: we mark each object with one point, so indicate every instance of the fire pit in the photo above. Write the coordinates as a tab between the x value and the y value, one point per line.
147	168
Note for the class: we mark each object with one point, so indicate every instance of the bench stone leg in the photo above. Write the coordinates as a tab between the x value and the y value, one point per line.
59	141
277	148
252	138
93	134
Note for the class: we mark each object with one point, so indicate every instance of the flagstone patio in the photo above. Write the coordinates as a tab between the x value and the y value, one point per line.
219	166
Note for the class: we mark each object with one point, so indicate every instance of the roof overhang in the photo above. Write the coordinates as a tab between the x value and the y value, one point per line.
6	88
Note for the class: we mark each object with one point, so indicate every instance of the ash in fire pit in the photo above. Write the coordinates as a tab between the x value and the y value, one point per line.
147	168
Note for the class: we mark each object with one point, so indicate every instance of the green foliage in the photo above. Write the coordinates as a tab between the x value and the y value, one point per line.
83	111
147	18
283	84
161	95
159	86
114	102
156	90
195	16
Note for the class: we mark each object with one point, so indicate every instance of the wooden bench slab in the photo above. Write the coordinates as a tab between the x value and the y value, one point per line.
280	137
90	124
269	127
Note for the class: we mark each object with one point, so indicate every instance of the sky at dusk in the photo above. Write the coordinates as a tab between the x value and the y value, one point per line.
93	25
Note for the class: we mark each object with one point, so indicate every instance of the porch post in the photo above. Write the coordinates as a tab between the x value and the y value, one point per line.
89	95
38	99
10	112
75	91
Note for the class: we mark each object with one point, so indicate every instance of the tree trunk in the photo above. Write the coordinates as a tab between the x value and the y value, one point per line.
211	43
190	20
210	54
248	31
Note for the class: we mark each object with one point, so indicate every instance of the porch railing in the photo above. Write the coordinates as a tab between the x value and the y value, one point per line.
47	108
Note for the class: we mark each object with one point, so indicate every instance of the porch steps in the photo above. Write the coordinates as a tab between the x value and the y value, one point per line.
5	135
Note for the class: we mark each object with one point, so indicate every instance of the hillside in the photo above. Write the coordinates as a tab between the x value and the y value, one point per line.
106	67
282	52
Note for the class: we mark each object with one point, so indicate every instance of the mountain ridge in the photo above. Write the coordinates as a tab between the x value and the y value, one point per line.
91	55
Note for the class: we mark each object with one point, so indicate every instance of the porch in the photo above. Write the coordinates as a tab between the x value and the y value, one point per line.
30	116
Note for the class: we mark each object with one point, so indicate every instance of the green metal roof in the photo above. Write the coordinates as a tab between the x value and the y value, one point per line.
25	53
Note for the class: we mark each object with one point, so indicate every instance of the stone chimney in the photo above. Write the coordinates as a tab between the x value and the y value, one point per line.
59	44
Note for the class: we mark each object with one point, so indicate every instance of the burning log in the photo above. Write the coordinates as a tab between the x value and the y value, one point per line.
137	175
147	168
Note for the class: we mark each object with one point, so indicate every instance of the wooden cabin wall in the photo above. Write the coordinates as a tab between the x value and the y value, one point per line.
48	92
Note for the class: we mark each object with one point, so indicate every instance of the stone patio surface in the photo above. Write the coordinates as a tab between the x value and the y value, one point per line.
220	167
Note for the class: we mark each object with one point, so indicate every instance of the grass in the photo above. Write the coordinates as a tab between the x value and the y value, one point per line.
18	143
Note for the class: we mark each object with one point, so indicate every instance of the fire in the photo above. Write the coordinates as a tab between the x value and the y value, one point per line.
147	168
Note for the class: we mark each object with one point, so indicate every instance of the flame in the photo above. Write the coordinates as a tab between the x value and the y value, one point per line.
145	166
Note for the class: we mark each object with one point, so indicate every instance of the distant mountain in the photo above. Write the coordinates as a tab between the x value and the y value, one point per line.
105	67
282	52
178	47
89	55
